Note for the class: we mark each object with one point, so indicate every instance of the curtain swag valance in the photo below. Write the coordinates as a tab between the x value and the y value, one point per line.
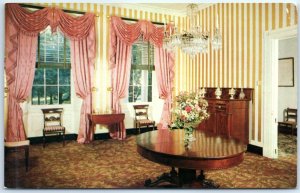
129	33
31	23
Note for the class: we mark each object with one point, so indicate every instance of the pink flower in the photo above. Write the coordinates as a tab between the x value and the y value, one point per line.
188	109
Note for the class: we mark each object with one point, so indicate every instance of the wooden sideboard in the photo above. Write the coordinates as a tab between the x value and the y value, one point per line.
228	117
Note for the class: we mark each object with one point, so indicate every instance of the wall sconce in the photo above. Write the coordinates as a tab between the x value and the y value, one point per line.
6	91
94	89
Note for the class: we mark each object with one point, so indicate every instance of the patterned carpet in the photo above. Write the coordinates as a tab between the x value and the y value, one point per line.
116	164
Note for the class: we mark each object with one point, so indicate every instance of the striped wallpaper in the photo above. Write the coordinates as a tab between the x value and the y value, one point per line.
237	64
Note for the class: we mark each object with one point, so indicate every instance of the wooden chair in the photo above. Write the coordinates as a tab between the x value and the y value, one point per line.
290	119
53	123
17	146
142	118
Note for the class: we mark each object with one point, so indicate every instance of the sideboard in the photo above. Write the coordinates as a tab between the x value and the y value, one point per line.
228	117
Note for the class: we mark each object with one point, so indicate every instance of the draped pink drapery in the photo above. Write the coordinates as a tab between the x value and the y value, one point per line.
122	36
22	28
20	75
164	67
83	58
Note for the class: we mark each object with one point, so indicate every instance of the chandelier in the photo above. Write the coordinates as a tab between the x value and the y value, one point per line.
193	42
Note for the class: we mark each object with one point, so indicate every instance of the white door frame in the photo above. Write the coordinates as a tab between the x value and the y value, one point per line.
270	88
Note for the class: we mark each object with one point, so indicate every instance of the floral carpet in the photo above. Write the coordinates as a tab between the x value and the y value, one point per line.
116	164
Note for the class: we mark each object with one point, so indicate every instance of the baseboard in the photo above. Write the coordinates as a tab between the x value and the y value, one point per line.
97	136
130	131
52	138
255	149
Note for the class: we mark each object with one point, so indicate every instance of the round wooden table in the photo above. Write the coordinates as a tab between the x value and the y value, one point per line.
208	151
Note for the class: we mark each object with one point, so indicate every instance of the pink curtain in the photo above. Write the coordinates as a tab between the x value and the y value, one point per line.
20	48
22	28
122	36
20	67
164	68
82	60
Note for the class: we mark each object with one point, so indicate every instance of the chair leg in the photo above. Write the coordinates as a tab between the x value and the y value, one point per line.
63	135
26	157
44	139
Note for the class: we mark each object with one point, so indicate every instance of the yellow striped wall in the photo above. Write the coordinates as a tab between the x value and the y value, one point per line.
238	64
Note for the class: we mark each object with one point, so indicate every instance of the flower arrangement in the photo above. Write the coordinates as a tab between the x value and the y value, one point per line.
190	110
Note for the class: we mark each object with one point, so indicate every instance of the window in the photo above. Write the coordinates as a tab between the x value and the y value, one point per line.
51	83
142	66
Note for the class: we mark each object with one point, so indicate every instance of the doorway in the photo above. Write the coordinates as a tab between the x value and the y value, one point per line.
287	94
270	87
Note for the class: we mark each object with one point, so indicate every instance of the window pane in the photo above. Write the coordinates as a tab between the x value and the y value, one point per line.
149	78
51	76
136	55
137	93
68	52
51	95
130	94
150	93
54	49
64	76
137	74
151	56
38	76
38	95
142	65
64	95
53	72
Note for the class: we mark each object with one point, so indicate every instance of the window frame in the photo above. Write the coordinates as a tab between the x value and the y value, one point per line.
149	68
40	64
57	67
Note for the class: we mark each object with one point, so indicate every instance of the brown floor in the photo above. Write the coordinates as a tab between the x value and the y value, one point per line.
116	164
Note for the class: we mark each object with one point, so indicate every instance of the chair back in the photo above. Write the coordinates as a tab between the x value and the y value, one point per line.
141	111
52	117
291	115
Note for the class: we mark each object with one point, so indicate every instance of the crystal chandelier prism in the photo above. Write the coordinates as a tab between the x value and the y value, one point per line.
193	42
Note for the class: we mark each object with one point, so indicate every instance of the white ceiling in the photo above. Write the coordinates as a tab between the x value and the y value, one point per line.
180	8
175	6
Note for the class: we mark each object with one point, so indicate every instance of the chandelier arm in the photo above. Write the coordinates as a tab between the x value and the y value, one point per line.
195	40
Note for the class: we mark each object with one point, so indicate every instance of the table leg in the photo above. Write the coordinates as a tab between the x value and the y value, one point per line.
171	177
186	176
206	183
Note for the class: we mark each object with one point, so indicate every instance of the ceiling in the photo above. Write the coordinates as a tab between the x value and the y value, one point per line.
178	7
